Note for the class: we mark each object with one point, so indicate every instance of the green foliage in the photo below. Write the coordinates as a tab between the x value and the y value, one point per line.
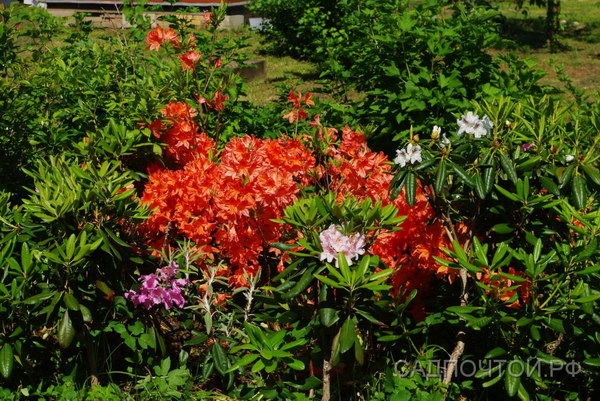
528	192
58	92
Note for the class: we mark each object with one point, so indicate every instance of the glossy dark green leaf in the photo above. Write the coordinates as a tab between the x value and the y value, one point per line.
440	177
592	173
509	168
70	301
347	335
512	376
566	176
300	285
550	185
462	174
328	316
6	360
579	192
479	187
85	313
522	393
219	358
36	299
411	188
489	175
66	331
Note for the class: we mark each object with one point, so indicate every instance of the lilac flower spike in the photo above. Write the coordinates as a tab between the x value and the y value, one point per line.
334	242
160	288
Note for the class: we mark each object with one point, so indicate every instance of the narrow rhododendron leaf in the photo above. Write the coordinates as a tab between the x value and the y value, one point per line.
6	360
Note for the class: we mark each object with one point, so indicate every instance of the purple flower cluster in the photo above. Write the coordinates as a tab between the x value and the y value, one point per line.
160	288
334	242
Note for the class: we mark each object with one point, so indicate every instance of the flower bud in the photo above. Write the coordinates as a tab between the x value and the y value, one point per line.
436	132
415	138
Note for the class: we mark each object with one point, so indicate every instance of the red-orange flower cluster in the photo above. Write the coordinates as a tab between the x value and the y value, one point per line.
227	208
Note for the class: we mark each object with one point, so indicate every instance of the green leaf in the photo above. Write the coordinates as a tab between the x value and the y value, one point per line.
550	185
359	354
488	177
512	377
509	168
411	188
220	359
296	364
549	359
589	270
479	188
522	393
344	268
284	247
328	316
566	176
6	360
586	299
440	178
258	366
535	332
66	331
579	192
509	195
85	313
592	173
245	360
301	285
327	281
496	352
347	335
36	299
70	301
463	175
595	362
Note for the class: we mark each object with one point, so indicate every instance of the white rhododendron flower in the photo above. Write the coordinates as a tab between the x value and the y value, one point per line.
569	158
471	124
412	155
401	157
334	242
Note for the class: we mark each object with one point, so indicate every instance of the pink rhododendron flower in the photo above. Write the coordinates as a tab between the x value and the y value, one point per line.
334	242
160	288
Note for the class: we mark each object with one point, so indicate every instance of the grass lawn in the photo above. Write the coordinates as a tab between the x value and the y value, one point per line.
580	23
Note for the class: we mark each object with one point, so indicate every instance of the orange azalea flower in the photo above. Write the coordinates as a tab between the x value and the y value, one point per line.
218	100
296	115
503	288
170	36
208	17
155	38
158	36
189	59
